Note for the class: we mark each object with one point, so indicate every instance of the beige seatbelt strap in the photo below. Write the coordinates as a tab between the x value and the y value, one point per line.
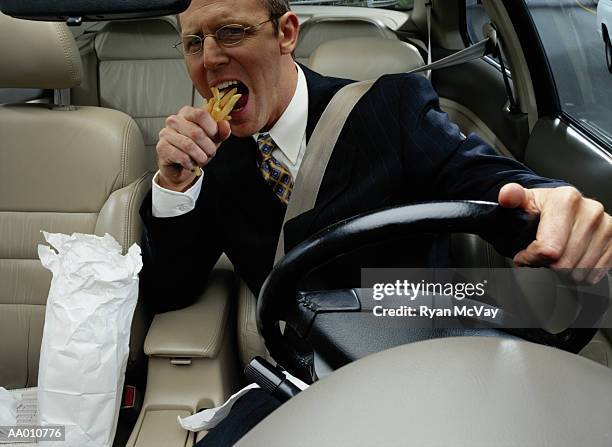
318	153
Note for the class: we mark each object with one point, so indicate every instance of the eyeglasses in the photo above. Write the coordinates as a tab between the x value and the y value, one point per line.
227	35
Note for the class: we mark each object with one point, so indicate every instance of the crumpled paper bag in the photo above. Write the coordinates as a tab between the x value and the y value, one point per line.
85	342
211	417
8	410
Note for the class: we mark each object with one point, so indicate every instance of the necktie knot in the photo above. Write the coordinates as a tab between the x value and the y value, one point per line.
266	143
274	172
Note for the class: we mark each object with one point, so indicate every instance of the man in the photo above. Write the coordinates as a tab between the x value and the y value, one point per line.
397	147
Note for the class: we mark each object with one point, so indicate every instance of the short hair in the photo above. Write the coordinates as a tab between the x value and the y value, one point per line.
276	8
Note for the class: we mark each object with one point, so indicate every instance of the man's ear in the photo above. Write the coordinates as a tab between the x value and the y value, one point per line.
288	30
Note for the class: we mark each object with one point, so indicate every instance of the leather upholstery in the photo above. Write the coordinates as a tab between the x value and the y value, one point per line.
320	29
62	169
37	55
202	325
132	67
250	343
364	58
466	391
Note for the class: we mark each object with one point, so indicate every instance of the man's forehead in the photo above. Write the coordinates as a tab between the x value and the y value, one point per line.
217	11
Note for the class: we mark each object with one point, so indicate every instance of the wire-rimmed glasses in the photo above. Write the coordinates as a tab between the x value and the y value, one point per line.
228	36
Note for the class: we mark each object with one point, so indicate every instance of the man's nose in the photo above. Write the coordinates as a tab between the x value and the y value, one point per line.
214	54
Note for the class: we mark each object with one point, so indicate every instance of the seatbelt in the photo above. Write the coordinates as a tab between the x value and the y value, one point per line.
318	153
488	46
484	47
428	5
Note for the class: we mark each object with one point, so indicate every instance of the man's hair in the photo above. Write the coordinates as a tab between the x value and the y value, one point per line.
276	8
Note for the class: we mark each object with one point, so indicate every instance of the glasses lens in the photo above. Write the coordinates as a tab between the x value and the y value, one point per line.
230	34
192	44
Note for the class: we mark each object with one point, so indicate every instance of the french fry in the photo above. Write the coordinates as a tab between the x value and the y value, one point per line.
228	107
219	107
225	99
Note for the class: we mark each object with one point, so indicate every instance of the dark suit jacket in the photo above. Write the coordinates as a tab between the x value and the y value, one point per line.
397	147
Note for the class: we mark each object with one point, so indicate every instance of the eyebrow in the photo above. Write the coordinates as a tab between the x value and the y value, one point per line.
221	22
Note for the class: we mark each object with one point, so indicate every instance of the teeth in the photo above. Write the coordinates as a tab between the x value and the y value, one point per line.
226	84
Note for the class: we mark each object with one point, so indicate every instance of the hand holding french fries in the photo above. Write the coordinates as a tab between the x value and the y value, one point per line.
191	138
220	106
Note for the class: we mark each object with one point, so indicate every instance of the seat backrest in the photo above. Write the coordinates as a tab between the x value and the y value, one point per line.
62	169
319	29
363	58
132	67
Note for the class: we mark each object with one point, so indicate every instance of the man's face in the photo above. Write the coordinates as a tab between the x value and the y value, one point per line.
258	63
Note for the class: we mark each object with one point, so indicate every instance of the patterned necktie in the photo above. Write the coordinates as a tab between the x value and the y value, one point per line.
274	172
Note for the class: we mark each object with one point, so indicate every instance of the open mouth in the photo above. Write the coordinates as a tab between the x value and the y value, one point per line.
241	89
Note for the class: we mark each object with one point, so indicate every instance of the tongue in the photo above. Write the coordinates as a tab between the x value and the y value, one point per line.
242	101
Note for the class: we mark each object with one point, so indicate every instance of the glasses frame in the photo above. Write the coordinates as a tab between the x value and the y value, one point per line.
179	46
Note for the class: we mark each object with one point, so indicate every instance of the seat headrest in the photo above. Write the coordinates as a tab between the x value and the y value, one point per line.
363	58
138	40
38	55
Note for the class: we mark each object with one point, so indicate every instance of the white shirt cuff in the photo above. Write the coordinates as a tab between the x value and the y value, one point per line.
167	203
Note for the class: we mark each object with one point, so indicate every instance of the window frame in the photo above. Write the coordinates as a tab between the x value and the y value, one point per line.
467	39
542	75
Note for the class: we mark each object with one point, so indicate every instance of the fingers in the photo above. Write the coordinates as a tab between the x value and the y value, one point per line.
574	235
197	116
190	139
598	259
199	153
587	241
175	167
224	131
558	209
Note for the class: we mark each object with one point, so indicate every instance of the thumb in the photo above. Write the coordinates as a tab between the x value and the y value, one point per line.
513	195
223	132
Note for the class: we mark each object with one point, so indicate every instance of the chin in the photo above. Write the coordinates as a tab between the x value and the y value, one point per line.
243	131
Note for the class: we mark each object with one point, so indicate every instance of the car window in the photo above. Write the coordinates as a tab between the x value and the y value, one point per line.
576	37
391	4
475	19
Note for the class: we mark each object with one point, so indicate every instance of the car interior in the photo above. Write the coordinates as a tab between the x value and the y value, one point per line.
80	116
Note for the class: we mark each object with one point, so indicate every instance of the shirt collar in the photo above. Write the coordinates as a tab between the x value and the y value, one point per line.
288	132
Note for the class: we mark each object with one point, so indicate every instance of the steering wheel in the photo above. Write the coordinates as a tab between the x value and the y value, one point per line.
279	297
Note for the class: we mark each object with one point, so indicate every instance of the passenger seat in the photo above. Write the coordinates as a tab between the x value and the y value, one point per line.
320	29
62	169
363	58
133	67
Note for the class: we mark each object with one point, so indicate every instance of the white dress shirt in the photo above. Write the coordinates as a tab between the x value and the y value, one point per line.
289	134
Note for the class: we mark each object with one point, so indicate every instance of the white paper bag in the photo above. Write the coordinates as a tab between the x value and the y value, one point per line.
85	342
8	410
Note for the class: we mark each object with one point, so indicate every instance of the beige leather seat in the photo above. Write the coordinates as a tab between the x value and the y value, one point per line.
62	169
132	67
460	392
363	58
320	29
